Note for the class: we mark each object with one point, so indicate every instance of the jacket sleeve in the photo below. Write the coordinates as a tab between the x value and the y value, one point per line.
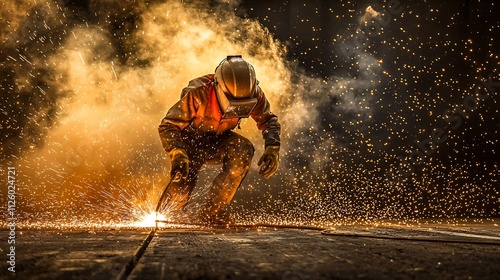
178	117
266	121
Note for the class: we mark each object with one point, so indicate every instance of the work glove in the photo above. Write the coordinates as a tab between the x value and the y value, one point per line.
270	161
180	164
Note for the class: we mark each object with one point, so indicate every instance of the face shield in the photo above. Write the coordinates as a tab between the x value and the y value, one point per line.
232	107
236	87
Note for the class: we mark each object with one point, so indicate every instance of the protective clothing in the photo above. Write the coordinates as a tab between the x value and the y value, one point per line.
197	114
269	161
198	126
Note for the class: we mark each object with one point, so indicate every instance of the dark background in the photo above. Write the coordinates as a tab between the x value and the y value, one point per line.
436	53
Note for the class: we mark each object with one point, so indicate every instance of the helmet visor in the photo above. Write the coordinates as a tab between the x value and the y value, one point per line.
234	108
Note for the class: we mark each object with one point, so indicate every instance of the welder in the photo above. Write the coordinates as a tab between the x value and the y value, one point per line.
198	130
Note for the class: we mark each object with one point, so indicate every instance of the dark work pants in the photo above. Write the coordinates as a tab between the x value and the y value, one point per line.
230	149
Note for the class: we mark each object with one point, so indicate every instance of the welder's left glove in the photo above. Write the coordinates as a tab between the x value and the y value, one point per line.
180	164
269	161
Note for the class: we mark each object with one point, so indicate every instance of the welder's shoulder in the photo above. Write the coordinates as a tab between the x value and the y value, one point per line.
199	87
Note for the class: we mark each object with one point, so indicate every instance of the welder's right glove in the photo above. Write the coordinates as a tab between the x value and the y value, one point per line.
270	161
180	163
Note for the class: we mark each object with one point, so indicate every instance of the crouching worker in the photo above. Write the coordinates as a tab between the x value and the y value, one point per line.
197	130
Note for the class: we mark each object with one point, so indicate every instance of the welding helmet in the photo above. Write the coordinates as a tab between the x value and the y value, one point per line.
236	87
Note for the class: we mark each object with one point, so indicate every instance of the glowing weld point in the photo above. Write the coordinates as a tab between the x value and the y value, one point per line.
149	220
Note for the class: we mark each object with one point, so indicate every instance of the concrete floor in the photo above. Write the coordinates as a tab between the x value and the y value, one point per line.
264	253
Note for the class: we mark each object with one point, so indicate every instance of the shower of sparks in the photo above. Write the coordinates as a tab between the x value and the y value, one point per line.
390	116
